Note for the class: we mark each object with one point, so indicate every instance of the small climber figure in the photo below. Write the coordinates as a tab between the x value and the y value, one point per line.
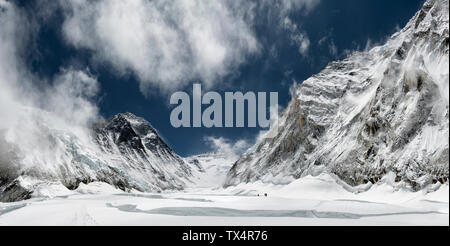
265	194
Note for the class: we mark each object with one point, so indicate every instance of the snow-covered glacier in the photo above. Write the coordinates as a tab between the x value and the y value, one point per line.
380	111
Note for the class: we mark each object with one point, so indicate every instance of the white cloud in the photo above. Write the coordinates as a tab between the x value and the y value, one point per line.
332	48
298	37
168	43
10	39
283	8
71	96
323	40
303	43
225	146
26	98
292	5
165	43
328	39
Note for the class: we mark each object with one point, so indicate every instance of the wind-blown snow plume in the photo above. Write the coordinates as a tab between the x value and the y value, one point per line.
68	95
34	111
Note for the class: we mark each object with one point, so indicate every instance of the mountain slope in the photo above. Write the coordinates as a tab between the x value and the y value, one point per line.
131	142
211	168
124	151
385	110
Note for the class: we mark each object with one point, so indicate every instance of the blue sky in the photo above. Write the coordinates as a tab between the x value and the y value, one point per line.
264	48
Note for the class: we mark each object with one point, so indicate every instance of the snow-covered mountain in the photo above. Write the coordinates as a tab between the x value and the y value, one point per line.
211	168
133	144
124	151
379	111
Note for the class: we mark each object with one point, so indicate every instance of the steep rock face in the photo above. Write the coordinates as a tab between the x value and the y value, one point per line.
124	151
385	110
131	142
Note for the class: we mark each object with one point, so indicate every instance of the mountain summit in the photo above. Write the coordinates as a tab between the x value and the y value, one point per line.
133	143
